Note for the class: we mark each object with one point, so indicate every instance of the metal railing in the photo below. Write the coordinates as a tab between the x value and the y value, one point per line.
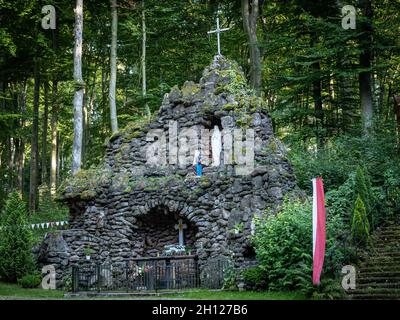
149	274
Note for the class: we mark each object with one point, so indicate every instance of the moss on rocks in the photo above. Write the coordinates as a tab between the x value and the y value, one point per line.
84	184
189	89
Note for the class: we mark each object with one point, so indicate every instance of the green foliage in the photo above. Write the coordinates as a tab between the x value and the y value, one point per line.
339	201
360	226
362	189
84	184
87	251
328	289
16	259
255	277
342	155
387	197
67	282
32	280
283	246
230	276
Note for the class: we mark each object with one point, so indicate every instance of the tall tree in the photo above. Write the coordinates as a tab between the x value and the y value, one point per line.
21	157
53	154
79	86
113	63
33	181
44	132
364	77
144	78
250	14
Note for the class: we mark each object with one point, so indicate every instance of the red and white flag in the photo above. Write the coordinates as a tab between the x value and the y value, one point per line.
319	232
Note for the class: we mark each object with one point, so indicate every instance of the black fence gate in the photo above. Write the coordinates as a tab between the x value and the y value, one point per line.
150	274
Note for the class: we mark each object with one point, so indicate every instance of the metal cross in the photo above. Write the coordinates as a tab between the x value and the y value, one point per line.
180	226
218	31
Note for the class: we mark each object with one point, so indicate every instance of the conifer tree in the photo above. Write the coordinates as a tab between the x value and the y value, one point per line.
16	259
360	226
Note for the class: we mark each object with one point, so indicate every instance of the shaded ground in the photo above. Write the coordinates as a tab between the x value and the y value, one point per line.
13	291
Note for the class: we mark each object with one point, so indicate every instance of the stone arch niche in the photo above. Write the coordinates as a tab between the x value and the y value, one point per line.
158	228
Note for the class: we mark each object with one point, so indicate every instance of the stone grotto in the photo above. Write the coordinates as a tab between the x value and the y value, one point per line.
135	205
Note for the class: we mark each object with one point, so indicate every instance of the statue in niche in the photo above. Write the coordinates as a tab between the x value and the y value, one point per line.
216	146
197	165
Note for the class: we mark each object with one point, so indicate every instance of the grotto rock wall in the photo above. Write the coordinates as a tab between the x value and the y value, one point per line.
119	209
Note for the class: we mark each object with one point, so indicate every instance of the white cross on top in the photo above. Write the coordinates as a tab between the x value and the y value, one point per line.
218	31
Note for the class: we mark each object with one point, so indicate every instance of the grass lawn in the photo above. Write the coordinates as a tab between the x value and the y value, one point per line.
13	291
236	295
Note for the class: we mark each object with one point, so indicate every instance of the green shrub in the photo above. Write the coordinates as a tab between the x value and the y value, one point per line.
360	225
284	247
361	189
230	278
339	202
328	289
16	259
30	280
255	277
390	195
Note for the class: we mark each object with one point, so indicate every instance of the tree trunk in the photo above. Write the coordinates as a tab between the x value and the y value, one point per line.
53	157
44	133
33	182
113	63
79	85
250	14
364	77
396	100
317	97
104	108
144	77
21	157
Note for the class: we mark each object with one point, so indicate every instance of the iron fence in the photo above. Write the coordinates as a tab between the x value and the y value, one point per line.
150	274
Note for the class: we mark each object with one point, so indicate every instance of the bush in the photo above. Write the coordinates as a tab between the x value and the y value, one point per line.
360	225
255	278
284	247
230	278
361	189
389	197
329	289
339	202
16	259
30	280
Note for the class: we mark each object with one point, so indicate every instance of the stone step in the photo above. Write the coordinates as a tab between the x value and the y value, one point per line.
379	262
391	241
388	274
370	291
375	297
379	268
387	235
384	252
389	285
377	279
